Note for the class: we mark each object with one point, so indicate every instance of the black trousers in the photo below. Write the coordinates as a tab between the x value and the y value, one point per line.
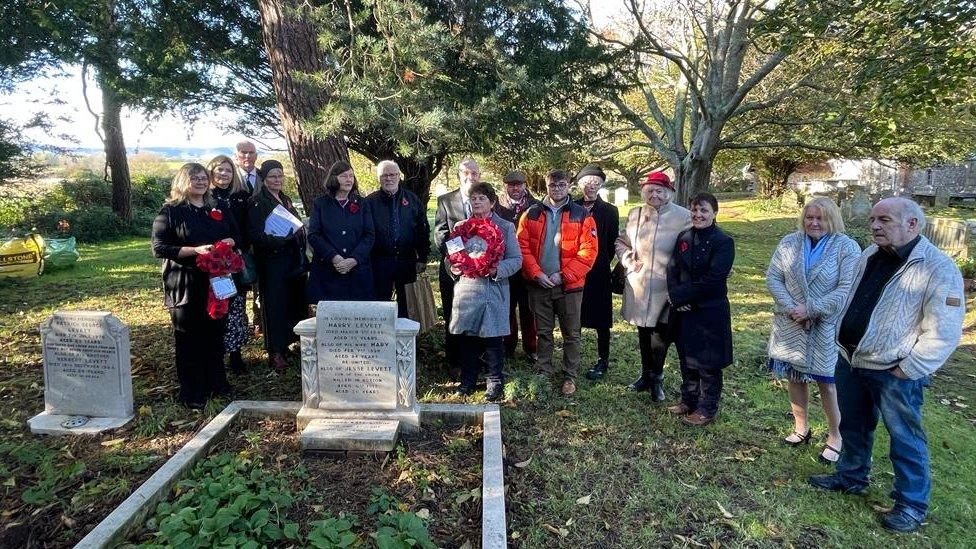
701	389
654	343
452	344
603	343
479	353
383	287
199	345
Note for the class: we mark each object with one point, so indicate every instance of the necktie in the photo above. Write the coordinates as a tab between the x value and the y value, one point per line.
467	209
250	181
395	220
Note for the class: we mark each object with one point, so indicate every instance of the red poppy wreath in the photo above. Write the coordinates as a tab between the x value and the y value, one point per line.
484	246
221	260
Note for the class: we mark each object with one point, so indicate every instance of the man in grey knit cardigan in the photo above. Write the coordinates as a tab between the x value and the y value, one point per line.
901	322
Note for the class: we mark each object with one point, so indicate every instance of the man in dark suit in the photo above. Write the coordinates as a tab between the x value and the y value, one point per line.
452	208
247	158
512	204
402	236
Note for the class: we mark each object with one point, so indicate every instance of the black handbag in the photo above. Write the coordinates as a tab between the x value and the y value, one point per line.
618	279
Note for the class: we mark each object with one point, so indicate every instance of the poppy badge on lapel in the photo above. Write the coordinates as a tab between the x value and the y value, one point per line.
683	246
216	215
353	207
404	202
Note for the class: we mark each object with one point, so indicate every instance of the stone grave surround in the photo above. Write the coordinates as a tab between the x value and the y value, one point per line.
358	377
87	375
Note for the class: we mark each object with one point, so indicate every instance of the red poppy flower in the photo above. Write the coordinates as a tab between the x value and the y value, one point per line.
216	215
683	246
353	207
404	202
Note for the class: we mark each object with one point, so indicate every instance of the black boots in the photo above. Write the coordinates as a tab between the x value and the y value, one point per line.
236	363
598	371
651	383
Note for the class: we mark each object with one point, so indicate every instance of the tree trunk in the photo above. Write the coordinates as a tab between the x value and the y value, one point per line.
692	178
419	173
115	157
774	174
290	39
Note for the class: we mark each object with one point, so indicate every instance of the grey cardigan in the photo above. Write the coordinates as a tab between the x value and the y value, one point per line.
824	293
481	305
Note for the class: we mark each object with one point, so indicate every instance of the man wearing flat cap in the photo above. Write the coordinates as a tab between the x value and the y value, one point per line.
597	309
512	204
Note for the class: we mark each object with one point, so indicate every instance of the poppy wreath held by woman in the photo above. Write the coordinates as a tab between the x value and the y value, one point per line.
221	260
484	247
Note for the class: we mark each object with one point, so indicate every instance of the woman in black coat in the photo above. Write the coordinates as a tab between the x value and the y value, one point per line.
225	184
698	290
341	234
597	308
189	224
281	265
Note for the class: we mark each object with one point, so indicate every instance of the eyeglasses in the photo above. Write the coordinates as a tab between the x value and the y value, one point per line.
199	178
558	185
469	172
389	176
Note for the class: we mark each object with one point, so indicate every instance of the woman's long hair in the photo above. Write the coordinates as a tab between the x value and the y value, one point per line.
235	183
332	181
179	191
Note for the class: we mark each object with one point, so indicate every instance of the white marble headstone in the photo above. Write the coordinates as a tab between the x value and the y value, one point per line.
86	372
357	355
620	196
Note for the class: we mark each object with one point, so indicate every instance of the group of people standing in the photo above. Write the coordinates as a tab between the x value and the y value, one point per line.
867	328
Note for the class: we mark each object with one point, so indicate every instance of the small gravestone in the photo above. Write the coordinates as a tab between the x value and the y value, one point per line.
358	376
857	205
604	194
87	376
620	196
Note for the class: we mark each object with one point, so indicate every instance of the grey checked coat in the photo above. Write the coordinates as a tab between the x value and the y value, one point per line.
824	292
481	305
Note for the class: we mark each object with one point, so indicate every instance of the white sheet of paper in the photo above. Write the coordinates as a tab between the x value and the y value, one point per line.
223	287
281	222
455	245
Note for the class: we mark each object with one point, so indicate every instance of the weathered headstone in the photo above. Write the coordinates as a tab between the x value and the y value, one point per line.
620	196
857	205
87	376
358	376
949	235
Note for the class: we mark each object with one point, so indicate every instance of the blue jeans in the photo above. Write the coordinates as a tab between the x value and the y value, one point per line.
864	395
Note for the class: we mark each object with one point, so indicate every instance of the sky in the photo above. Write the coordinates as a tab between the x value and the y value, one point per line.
62	99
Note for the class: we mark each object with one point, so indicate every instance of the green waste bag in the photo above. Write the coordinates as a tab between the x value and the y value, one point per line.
60	253
22	256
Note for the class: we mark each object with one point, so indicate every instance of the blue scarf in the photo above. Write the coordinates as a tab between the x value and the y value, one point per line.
811	253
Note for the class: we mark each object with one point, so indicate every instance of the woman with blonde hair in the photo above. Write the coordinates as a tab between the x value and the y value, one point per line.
226	186
189	224
809	277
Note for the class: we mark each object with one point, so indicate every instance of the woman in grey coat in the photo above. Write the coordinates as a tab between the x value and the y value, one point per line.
809	277
479	313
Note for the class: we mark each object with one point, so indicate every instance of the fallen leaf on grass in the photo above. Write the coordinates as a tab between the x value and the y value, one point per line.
564	413
715	544
423	513
113	442
523	464
689	540
467	545
561	532
725	513
687	485
585	500
879	508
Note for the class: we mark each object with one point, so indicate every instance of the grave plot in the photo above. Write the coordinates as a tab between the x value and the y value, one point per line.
256	485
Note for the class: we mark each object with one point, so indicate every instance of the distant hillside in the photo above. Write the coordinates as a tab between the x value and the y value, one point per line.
169	153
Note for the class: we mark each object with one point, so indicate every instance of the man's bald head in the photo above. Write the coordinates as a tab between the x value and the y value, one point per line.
896	221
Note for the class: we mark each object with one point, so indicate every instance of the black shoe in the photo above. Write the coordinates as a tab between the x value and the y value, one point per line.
466	390
194	404
657	388
494	393
236	363
898	520
834	483
643	383
598	371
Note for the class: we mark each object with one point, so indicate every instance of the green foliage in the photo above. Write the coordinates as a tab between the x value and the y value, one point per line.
967	267
49	473
402	531
333	533
230	498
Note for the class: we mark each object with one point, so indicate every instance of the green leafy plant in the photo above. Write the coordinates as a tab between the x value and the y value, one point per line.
967	267
333	533
402	531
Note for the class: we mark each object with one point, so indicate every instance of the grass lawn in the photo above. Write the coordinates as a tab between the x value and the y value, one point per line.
603	468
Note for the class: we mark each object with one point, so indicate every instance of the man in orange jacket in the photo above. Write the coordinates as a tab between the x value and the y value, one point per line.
559	245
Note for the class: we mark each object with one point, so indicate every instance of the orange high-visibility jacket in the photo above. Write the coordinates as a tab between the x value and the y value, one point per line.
577	247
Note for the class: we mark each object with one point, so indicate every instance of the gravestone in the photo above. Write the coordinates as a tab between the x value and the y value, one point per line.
620	196
358	376
857	205
87	376
604	194
949	235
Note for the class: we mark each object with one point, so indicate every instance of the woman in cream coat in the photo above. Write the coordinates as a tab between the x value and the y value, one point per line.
809	277
644	248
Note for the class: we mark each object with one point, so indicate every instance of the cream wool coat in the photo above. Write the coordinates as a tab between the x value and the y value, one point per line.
649	237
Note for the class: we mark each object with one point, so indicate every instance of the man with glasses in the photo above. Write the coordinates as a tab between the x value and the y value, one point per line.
512	205
558	239
402	236
247	158
452	208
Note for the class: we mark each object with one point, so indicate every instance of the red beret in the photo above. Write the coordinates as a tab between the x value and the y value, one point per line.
660	179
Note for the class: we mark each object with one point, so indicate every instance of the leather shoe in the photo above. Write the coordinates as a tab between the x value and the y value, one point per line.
898	520
697	419
598	371
657	388
494	393
680	409
466	390
643	383
834	483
